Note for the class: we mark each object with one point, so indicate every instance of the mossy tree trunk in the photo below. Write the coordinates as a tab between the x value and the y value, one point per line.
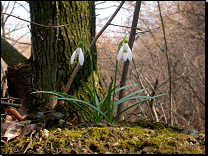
52	68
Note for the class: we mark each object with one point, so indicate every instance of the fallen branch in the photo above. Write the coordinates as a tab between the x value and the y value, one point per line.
11	104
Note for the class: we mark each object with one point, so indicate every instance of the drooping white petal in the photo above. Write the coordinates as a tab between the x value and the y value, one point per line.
73	56
119	54
129	54
125	51
81	57
125	55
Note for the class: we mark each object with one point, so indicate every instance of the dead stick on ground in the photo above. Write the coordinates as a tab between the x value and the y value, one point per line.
29	145
10	104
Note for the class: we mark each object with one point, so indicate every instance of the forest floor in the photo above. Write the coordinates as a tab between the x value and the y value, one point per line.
140	137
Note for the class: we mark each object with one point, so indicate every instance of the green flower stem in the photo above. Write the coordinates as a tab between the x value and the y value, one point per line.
119	47
114	90
93	81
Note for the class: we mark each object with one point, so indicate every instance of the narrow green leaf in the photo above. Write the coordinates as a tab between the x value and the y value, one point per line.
54	93
160	95
128	108
137	104
48	92
97	106
88	89
123	99
125	87
88	104
90	92
81	114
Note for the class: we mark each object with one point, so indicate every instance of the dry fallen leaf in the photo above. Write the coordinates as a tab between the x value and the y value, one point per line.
13	130
6	124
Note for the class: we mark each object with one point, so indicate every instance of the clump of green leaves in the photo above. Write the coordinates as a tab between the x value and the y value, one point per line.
97	110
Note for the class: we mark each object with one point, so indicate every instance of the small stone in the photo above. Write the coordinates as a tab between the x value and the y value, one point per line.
61	121
45	133
58	129
108	152
115	144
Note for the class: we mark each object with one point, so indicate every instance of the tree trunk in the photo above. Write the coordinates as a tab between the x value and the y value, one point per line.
51	66
122	106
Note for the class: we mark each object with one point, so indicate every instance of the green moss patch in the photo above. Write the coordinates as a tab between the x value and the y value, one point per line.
116	139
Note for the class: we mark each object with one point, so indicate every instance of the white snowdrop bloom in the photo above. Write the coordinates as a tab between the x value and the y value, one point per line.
126	51
78	53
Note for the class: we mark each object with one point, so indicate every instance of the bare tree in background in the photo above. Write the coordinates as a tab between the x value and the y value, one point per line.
184	24
169	66
124	76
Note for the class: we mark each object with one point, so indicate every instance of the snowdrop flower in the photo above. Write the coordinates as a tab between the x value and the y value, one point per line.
78	53
126	51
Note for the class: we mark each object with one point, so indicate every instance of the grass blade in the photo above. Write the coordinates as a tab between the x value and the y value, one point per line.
123	99
125	87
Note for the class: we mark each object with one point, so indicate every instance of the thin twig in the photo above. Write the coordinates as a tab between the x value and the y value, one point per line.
191	117
29	145
46	25
164	141
124	26
134	28
147	31
6	75
169	65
